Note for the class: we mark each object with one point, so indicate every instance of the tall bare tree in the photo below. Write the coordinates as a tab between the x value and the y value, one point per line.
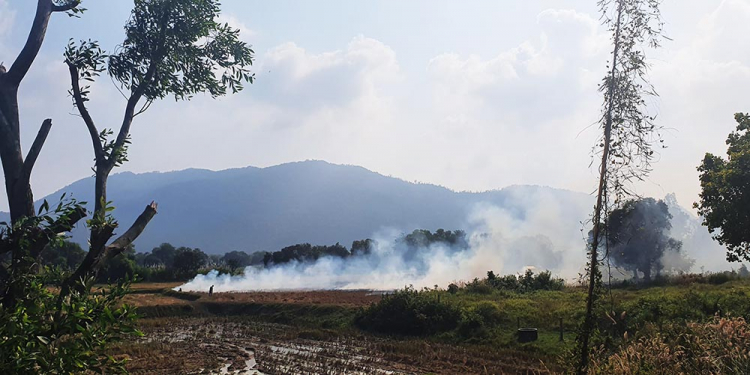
628	131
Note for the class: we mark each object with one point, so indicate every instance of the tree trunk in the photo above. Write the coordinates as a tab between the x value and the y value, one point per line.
18	191
593	271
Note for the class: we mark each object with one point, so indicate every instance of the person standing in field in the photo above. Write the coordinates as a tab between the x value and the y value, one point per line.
211	291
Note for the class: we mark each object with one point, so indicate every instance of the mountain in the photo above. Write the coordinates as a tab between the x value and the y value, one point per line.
255	209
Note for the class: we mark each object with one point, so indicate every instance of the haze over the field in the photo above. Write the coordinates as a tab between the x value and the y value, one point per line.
470	95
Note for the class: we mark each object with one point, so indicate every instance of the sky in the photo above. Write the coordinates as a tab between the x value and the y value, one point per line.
471	95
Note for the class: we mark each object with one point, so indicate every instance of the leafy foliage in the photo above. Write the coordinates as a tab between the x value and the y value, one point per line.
633	24
174	46
306	252
65	254
363	247
637	237
36	337
528	282
409	312
725	193
189	261
120	267
628	131
422	238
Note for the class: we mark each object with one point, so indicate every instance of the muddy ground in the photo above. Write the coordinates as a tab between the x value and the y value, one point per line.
204	340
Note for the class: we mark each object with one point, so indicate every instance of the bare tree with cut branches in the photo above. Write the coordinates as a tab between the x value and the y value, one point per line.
17	167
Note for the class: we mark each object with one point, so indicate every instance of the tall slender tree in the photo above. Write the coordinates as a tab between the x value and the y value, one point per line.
172	47
628	131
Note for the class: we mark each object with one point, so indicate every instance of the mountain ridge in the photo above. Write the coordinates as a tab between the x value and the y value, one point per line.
255	209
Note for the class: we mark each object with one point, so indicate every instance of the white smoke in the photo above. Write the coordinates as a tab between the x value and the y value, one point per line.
697	243
544	235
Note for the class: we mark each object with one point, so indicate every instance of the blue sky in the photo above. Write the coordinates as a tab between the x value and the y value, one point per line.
472	95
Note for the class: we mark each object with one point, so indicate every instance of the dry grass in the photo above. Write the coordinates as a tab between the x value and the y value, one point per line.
150	294
718	347
153	287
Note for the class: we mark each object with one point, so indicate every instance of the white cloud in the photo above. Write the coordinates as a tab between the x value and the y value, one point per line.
292	77
454	116
7	17
246	33
531	76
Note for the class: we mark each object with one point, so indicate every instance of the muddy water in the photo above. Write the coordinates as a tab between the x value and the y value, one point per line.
249	368
267	349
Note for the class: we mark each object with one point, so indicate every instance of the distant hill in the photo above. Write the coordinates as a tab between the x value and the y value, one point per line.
255	209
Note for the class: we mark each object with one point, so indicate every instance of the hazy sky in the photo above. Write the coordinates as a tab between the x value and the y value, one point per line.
472	95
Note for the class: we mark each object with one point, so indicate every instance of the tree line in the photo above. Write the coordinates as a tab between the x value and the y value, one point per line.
169	263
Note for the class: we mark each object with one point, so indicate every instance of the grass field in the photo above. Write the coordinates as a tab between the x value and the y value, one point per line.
313	331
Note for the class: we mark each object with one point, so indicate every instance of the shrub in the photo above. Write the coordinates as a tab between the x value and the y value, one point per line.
477	286
507	282
452	288
545	281
489	312
722	277
37	338
478	320
472	325
409	312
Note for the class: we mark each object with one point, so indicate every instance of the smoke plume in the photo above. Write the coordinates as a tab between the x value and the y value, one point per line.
544	234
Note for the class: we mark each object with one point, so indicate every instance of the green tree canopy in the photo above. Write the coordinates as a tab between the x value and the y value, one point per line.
638	237
725	193
188	261
66	255
236	259
164	253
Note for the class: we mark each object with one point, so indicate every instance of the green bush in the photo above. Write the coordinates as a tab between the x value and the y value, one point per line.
528	282
409	312
477	286
545	281
489	312
452	288
37	338
477	321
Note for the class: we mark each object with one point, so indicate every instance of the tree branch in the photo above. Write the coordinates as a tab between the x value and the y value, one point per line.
34	42
98	255
34	151
66	7
81	106
134	231
62	225
127	120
